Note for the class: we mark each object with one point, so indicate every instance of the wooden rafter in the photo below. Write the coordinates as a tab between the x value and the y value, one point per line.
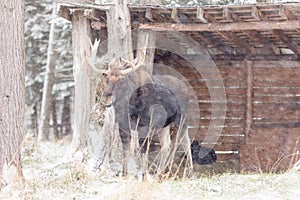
292	45
289	13
255	36
149	15
233	38
212	42
254	31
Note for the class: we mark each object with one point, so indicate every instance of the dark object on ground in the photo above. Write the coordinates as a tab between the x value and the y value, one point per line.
202	155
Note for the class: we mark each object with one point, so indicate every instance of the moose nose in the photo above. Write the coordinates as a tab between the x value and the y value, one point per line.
106	101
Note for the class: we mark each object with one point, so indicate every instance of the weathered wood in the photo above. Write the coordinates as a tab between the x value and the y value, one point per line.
257	57
64	12
200	15
149	14
216	82
285	9
274	64
210	41
277	83
81	33
257	14
276	122
233	38
276	110
227	14
290	91
249	99
240	26
119	32
254	35
288	41
227	157
267	146
174	13
229	98
282	98
228	91
238	114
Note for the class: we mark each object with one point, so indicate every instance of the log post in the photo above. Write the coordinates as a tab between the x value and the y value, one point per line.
81	35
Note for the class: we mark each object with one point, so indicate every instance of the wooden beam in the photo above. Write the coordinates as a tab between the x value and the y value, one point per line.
238	26
292	45
64	12
249	99
233	38
91	14
257	57
255	36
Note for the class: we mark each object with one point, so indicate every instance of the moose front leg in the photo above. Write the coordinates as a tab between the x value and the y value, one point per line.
125	139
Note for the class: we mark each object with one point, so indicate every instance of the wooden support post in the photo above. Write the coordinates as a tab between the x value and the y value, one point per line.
174	13
249	99
149	14
200	15
227	14
81	46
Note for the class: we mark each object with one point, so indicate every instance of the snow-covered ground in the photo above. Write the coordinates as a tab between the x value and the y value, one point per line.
50	175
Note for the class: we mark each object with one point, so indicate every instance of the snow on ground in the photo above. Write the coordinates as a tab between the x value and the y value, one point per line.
49	175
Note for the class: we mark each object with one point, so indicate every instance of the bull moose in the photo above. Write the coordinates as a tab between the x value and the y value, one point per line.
148	106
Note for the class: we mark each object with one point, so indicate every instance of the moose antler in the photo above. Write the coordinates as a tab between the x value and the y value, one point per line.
133	66
91	59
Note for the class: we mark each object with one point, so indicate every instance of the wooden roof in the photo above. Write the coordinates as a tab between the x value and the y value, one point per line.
254	32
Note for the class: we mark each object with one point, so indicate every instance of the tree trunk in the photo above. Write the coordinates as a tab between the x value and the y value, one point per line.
83	98
54	118
12	88
48	82
66	127
119	31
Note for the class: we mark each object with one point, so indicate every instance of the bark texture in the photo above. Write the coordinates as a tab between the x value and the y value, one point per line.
83	96
12	87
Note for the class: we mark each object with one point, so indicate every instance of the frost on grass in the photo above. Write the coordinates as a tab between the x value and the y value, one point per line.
50	174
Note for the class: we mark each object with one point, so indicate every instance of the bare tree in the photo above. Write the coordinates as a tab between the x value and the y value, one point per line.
48	83
12	88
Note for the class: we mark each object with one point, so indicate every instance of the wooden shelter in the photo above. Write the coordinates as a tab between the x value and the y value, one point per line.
256	50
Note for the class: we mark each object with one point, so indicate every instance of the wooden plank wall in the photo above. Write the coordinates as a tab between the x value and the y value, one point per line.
234	78
272	143
262	122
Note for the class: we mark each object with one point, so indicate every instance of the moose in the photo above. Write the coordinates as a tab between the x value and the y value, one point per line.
146	105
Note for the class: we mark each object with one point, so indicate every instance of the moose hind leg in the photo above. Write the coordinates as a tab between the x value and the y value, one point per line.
165	144
186	145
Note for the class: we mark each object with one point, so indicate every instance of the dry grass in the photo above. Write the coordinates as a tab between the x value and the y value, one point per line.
49	175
